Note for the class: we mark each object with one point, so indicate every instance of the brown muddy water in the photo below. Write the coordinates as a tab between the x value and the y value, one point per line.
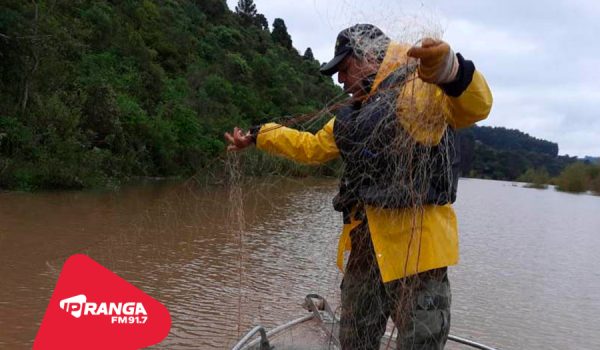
529	276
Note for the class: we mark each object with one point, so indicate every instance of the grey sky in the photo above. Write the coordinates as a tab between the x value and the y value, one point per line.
541	58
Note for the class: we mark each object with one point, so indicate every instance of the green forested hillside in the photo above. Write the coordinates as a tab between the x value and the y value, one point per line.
513	140
505	154
93	92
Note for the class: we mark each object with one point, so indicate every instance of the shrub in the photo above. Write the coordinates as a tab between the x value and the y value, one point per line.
536	178
573	178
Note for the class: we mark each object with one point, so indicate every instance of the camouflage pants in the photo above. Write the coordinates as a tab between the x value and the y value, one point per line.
419	305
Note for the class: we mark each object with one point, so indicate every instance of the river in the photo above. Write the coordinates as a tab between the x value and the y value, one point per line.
528	276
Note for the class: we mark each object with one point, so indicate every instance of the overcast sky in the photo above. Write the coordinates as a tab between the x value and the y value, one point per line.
540	58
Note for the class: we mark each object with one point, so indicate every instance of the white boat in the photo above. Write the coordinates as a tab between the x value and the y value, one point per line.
318	329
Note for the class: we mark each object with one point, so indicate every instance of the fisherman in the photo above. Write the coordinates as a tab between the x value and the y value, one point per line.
397	141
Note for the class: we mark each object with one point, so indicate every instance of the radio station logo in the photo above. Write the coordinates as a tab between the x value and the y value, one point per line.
121	313
93	308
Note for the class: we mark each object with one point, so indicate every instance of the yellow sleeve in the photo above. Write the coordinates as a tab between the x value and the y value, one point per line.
300	146
473	105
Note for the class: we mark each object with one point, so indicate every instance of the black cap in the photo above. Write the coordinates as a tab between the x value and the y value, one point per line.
354	40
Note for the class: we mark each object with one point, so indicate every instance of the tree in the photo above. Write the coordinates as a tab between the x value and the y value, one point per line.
246	8
213	8
536	178
308	55
573	178
280	34
261	21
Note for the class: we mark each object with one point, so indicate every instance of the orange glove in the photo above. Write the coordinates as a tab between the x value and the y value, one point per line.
438	63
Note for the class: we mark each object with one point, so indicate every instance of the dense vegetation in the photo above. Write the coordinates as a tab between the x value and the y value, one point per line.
579	177
93	92
504	154
535	178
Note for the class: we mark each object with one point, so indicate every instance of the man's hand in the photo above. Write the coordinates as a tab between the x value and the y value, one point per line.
238	140
438	63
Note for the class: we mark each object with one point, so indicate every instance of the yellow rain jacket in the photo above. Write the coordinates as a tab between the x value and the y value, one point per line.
406	241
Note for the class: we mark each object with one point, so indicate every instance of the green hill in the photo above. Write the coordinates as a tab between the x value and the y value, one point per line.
505	154
94	92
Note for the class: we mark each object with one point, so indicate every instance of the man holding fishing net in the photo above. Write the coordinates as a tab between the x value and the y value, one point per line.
397	138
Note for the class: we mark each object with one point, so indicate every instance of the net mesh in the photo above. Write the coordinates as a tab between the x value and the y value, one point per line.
404	130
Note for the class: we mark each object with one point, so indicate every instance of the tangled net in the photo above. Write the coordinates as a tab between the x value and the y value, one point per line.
417	149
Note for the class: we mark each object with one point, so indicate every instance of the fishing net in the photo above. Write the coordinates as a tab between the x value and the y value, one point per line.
408	167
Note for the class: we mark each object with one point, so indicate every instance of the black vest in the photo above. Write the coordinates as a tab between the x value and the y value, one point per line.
383	165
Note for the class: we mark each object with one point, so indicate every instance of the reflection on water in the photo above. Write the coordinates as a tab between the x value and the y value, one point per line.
527	278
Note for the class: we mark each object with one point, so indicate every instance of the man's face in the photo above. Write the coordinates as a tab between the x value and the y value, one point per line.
352	71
